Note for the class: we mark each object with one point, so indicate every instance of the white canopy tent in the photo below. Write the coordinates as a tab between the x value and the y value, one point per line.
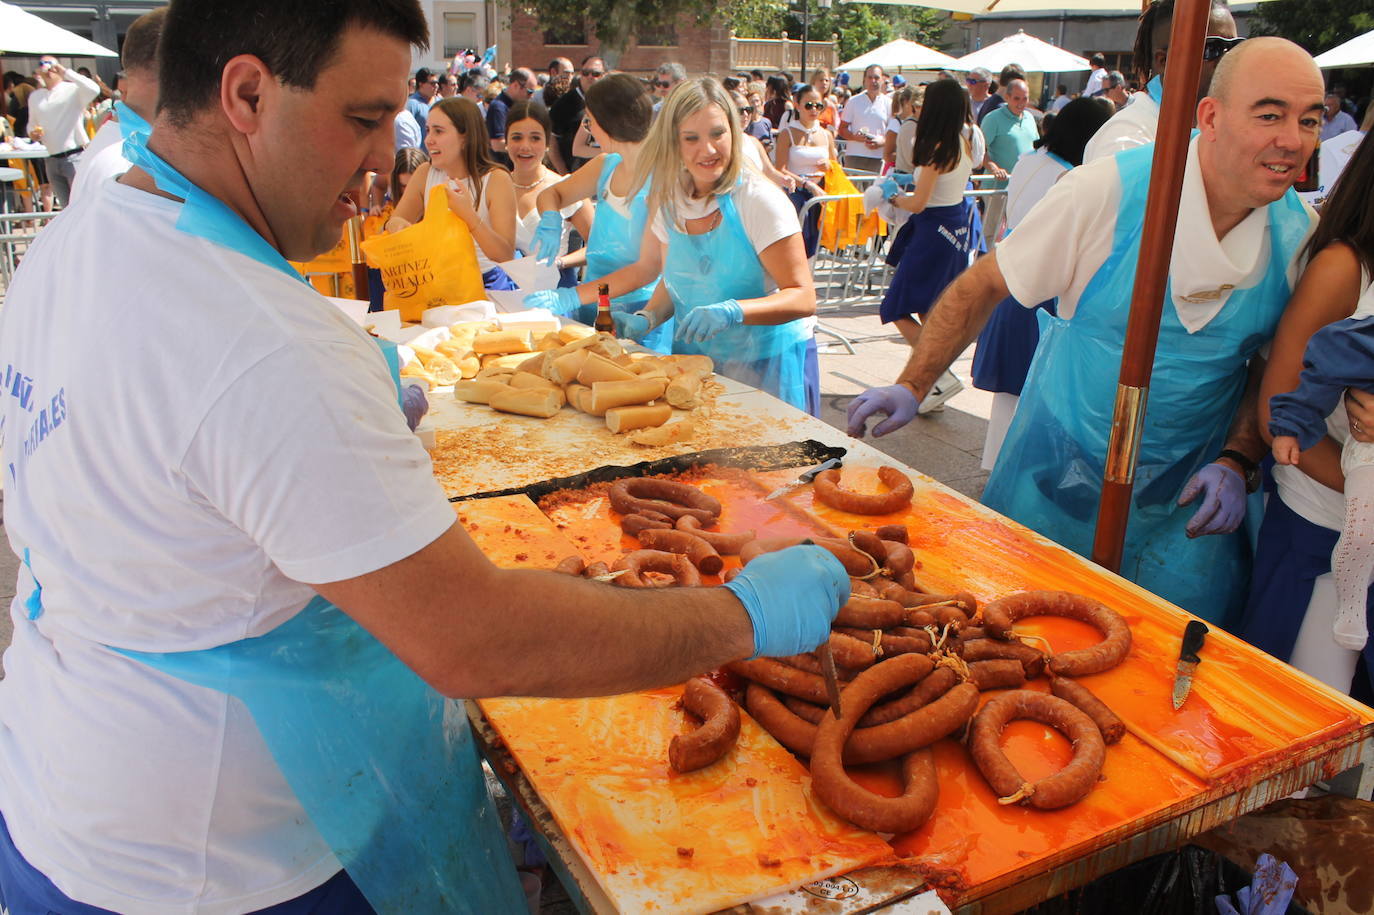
1034	56
1357	52
1021	6
24	33
902	54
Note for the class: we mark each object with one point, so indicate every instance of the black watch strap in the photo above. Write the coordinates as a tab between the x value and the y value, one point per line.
1248	467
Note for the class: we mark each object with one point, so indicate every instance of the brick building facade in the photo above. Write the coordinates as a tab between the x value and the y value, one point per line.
702	49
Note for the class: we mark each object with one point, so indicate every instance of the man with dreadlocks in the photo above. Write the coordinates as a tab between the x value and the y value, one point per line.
1135	124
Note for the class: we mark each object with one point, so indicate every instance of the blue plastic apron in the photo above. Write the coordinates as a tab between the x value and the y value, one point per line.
614	244
1049	471
385	767
721	264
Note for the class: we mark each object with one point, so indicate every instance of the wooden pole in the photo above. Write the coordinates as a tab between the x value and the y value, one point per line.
1188	33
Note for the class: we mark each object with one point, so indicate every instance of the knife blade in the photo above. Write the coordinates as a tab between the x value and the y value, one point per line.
832	680
805	477
1194	635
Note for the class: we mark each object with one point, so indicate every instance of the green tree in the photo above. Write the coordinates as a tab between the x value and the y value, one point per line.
1317	25
613	21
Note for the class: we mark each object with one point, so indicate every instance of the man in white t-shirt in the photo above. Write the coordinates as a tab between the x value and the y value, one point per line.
104	157
863	123
55	118
1097	77
1239	230
203	455
1134	125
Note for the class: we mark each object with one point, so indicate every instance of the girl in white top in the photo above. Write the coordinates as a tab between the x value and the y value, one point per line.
901	128
528	130
480	191
936	243
803	151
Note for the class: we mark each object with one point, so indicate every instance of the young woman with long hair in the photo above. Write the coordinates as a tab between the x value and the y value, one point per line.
479	190
1293	596
528	134
803	151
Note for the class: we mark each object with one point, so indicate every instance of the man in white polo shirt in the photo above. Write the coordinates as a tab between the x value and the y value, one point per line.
244	598
1240	228
863	123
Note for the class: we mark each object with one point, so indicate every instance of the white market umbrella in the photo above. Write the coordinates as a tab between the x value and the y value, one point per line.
901	54
1020	6
1034	56
1357	52
24	33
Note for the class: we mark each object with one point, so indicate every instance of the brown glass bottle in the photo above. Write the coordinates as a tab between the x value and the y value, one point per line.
1310	179
604	323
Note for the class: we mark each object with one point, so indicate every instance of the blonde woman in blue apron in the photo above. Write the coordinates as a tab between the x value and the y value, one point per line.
735	275
619	112
236	629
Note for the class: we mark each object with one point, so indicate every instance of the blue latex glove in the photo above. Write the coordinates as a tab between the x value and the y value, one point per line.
791	597
562	301
889	188
630	325
706	321
895	400
903	179
1223	500
1268	894
547	238
414	404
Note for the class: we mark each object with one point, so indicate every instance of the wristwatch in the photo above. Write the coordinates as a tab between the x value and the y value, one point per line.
1249	469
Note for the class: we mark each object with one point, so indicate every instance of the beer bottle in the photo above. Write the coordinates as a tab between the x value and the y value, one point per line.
1310	179
604	323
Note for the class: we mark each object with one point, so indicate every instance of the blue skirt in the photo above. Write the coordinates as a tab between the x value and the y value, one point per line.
1292	554
1006	347
811	227
930	250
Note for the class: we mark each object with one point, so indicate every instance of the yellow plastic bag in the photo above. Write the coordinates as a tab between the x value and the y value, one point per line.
838	223
431	263
332	272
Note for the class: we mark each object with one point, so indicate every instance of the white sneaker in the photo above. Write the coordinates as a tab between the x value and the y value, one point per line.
945	387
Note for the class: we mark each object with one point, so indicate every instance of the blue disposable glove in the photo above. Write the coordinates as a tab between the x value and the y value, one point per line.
548	237
895	400
708	320
630	325
414	404
561	301
1223	500
889	188
903	179
791	597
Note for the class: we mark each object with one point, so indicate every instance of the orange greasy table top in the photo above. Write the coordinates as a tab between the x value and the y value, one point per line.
654	839
1247	712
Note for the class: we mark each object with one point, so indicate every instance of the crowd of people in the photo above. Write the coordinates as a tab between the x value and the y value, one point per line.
183	567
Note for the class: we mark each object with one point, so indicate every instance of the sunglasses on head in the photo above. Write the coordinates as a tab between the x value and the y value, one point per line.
814	106
1215	47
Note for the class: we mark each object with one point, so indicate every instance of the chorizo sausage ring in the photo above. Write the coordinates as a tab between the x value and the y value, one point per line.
1112	727
718	732
857	563
572	565
999	673
830	492
634	494
890	642
637	563
724	544
870	613
783	678
1066	786
701	553
931	687
975	649
636	523
889	740
999	615
894	532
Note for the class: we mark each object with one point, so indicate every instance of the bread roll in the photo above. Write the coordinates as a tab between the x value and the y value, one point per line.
478	390
667	434
502	372
693	362
534	364
530	380
564	369
540	402
499	342
598	368
441	367
575	392
416	369
608	394
570	332
624	419
684	391
511	361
